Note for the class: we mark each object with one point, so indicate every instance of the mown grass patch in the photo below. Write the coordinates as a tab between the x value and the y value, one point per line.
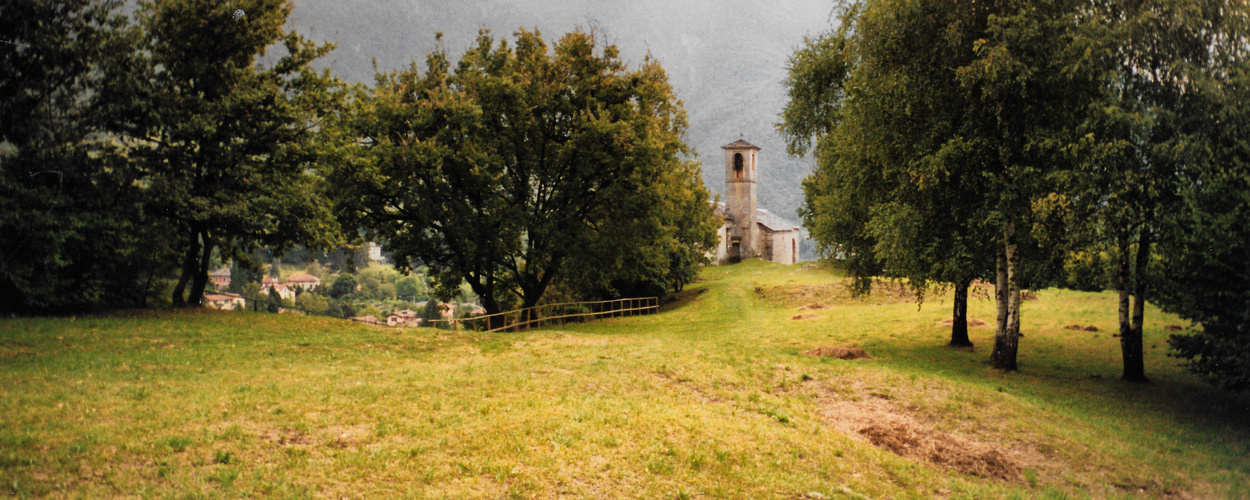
712	398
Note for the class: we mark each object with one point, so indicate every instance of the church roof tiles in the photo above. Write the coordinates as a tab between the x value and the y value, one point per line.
739	144
773	222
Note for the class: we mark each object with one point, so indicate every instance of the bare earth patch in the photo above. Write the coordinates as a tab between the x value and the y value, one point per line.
886	425
847	352
804	316
816	306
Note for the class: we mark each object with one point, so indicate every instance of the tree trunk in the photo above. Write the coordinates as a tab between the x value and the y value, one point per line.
1131	341
188	268
1124	288
959	326
1006	343
200	280
1000	294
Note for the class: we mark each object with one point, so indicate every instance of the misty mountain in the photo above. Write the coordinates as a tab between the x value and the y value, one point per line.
725	59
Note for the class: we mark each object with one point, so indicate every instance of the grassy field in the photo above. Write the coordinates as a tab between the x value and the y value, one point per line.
712	398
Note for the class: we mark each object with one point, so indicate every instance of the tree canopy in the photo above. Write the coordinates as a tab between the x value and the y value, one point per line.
73	235
934	127
223	142
525	166
950	136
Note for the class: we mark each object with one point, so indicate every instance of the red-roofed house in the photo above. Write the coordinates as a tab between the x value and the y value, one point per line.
305	281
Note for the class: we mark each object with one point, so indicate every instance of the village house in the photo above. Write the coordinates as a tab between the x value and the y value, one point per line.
225	301
285	292
303	281
750	232
406	317
220	278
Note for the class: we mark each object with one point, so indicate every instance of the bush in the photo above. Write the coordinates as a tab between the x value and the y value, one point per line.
343	284
1087	271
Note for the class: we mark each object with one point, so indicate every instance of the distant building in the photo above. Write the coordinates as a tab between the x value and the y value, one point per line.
750	232
220	278
225	301
304	281
375	251
284	291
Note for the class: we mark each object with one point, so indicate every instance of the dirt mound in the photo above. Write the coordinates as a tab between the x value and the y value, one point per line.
847	352
812	307
971	322
1089	328
941	449
1027	295
1173	328
887	424
804	316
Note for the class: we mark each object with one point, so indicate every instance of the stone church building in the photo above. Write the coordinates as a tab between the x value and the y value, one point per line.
750	232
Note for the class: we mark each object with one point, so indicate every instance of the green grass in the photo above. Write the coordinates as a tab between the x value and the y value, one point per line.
712	398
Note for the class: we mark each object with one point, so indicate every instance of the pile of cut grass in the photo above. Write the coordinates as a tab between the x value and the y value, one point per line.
713	397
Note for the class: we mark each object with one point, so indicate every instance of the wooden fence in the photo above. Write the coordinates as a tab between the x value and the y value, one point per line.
553	314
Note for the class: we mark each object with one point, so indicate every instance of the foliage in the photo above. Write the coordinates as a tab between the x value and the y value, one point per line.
410	288
431	312
312	302
343	284
929	155
223	144
1087	270
523	165
1206	272
72	233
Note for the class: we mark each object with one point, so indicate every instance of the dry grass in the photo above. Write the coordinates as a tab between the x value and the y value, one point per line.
712	398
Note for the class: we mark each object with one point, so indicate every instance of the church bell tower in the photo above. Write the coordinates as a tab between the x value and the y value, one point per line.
742	241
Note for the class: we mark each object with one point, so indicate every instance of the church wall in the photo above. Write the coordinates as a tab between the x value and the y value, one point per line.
785	246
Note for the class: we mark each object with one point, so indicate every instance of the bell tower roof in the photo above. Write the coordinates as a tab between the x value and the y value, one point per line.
740	144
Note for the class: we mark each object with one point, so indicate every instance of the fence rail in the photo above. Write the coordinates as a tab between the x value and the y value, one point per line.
523	319
552	314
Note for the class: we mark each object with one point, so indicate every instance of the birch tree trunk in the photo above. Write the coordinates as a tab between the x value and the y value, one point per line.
1006	342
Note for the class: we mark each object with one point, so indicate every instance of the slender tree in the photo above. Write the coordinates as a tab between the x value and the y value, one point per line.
1159	56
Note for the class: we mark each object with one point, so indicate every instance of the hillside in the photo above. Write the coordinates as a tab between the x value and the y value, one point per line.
726	60
712	398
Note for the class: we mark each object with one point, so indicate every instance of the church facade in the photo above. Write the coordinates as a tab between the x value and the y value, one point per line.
749	232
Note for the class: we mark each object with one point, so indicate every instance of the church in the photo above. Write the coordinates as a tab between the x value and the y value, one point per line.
750	232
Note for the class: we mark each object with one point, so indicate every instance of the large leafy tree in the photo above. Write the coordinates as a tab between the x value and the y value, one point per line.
1205	243
224	142
72	233
1162	62
935	128
524	165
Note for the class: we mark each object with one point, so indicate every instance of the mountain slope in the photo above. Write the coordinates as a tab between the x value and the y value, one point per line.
726	60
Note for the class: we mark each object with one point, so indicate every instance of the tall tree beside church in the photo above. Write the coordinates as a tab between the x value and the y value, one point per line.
225	144
523	163
1028	83
934	132
72	235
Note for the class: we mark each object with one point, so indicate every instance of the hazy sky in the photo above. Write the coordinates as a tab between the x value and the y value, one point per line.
725	59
